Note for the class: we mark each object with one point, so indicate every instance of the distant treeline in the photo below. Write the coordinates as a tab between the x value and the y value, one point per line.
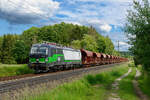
15	48
126	54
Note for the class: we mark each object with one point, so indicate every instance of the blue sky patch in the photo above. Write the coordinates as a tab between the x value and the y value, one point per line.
107	16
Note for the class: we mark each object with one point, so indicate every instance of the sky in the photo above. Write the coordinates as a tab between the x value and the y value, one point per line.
108	17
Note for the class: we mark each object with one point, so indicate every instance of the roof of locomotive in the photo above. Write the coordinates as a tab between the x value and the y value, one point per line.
53	46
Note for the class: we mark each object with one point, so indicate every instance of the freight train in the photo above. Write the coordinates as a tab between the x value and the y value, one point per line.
46	57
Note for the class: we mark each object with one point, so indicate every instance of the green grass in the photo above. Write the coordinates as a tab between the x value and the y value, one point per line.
91	87
106	78
131	64
126	89
144	83
11	70
78	90
11	65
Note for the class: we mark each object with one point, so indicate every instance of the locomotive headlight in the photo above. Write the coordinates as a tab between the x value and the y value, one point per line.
37	59
46	59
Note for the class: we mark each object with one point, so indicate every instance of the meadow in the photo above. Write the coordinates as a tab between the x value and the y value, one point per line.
14	69
90	87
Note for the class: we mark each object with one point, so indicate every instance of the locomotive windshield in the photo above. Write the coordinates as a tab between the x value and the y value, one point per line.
39	50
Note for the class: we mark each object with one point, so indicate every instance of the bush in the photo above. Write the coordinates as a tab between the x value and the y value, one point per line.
9	61
24	70
131	65
98	79
144	81
12	70
91	79
115	73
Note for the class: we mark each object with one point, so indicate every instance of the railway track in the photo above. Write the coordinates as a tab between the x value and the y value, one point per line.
8	86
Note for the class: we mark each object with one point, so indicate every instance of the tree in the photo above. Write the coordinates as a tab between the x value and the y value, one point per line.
138	31
1	41
76	44
89	43
109	47
7	46
101	43
30	36
20	52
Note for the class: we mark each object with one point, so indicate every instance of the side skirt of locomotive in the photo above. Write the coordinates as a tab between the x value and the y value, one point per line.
51	67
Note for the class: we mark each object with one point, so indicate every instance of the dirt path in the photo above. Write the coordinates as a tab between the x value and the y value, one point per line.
136	87
115	86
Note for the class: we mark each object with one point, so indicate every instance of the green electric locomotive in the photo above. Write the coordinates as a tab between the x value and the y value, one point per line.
50	56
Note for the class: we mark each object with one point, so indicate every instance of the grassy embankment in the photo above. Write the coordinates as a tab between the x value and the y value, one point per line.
126	90
91	87
11	70
144	82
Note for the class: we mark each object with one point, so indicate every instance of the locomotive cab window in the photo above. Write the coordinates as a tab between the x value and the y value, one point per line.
39	50
34	50
43	50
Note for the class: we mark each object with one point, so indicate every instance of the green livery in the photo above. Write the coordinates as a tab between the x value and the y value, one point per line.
54	58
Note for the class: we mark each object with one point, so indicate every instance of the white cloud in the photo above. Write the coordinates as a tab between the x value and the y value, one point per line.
95	21
72	22
27	11
123	43
68	13
98	1
105	28
109	11
100	25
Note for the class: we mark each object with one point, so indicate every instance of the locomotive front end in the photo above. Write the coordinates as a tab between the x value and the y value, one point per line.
38	58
